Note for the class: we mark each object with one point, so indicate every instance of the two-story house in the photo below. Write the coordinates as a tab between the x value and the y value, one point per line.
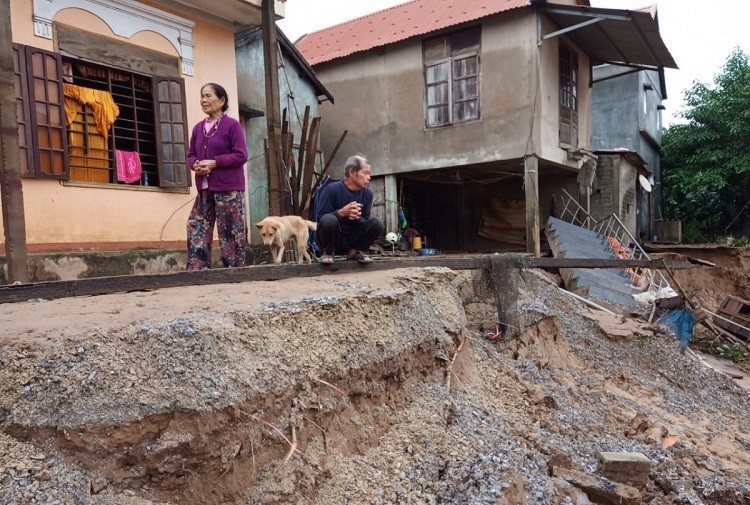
635	98
474	114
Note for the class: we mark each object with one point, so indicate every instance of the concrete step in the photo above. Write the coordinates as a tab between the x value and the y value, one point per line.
567	238
581	250
570	241
615	284
557	224
613	274
564	242
610	296
580	236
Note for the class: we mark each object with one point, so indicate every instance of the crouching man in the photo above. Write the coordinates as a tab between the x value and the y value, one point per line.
344	223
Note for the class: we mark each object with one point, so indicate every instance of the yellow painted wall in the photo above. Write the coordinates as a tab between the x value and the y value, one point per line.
57	212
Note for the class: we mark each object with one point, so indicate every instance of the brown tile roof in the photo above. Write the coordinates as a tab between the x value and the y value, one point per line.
397	23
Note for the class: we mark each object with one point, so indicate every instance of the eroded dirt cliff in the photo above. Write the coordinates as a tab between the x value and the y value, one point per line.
368	388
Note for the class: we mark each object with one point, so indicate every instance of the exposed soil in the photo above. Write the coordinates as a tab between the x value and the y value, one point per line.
710	285
368	388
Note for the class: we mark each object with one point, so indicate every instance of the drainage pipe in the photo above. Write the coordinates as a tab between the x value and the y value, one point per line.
586	301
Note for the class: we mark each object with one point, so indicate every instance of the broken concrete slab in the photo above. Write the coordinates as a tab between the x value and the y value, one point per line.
631	468
599	489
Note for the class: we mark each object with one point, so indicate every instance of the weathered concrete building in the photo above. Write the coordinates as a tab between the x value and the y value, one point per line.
626	113
474	114
298	88
614	187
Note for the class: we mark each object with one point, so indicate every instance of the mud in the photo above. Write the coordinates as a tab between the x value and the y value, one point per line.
367	388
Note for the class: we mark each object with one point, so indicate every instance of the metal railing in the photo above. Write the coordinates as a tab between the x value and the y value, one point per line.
619	240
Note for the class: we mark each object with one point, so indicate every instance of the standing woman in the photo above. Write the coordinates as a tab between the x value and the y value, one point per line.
217	155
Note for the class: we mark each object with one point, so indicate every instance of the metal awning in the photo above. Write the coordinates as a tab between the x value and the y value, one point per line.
613	36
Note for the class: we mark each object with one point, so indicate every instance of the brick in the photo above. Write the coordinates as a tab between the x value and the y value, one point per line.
631	468
599	489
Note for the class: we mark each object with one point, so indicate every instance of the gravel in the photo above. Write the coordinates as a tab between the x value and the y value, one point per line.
359	384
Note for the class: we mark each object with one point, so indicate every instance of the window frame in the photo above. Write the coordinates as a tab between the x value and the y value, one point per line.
568	72
55	142
450	57
177	178
23	110
448	104
172	173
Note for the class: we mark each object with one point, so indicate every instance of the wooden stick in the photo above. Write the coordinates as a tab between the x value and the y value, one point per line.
333	153
331	386
450	365
252	452
270	426
291	450
302	142
688	302
325	435
309	169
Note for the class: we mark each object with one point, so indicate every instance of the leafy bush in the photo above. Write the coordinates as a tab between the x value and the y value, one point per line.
734	351
705	161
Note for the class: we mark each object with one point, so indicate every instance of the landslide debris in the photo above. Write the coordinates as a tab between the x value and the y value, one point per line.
367	388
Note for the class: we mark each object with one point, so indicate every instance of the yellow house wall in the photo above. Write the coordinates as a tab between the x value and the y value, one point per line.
60	214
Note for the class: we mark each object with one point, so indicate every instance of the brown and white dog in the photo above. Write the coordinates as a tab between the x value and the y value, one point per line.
278	230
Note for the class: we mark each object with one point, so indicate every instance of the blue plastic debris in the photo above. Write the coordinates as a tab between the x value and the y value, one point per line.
681	323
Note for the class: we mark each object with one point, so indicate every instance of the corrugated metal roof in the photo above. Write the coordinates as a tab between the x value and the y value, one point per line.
620	37
397	23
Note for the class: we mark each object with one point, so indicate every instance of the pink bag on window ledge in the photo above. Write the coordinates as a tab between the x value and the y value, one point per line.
129	167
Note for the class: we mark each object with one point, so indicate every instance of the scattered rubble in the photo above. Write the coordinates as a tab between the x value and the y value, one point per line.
368	388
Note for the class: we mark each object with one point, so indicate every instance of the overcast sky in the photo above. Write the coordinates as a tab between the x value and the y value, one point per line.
700	34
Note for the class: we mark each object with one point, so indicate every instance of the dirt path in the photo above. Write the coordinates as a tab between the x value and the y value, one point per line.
40	321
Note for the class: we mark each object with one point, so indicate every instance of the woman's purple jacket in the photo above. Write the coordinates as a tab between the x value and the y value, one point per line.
228	147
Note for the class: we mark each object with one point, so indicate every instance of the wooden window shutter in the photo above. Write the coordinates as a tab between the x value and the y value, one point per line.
47	120
23	112
171	131
568	68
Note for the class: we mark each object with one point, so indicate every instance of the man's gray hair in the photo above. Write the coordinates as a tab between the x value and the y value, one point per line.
355	163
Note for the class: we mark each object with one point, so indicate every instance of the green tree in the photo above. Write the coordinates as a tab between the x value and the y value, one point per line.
706	161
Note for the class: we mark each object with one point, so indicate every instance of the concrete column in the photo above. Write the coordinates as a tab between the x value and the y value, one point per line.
531	185
391	203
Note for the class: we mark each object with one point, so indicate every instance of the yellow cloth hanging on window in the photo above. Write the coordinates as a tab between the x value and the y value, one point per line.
87	147
101	102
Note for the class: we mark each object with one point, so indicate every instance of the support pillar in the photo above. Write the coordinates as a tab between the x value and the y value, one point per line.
391	203
531	186
11	189
273	114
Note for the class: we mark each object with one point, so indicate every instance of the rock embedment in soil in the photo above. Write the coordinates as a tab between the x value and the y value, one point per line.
368	388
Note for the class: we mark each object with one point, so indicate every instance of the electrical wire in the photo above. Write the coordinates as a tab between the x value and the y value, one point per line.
161	233
537	92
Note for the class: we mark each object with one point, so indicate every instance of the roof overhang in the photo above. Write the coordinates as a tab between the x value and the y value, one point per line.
618	37
632	157
237	15
289	50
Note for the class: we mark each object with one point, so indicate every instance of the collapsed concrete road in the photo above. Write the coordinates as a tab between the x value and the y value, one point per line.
363	388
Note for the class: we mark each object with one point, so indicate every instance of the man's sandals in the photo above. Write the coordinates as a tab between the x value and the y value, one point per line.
360	258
